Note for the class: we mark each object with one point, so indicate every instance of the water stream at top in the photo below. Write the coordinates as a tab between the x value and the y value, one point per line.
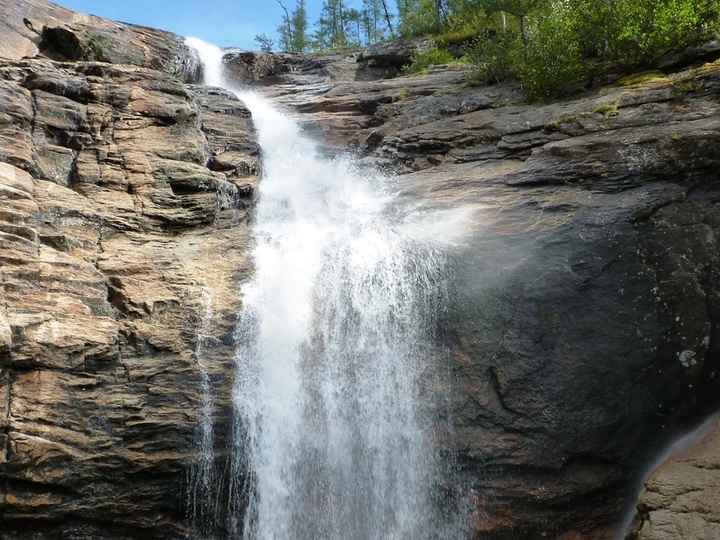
334	390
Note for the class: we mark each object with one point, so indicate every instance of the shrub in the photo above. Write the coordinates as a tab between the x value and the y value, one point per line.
491	55
593	24
645	29
422	61
550	63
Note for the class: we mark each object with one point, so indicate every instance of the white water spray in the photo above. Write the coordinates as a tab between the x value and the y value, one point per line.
211	58
334	353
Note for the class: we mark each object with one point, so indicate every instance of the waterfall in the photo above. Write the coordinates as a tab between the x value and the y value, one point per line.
335	385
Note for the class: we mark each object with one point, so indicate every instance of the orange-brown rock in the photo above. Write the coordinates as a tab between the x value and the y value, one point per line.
681	497
32	27
113	230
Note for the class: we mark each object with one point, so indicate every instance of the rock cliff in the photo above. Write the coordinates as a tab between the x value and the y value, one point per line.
124	198
583	289
583	285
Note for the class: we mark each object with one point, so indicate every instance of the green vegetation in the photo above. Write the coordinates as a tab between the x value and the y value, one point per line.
493	55
422	61
293	31
340	26
607	109
554	125
551	46
642	79
419	17
98	46
94	48
550	63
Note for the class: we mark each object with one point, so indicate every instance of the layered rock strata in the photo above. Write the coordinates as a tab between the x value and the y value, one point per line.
32	27
124	199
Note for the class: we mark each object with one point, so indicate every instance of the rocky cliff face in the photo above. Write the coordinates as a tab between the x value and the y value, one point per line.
123	206
32	27
583	287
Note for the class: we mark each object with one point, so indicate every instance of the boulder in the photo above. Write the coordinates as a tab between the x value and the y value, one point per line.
681	497
397	52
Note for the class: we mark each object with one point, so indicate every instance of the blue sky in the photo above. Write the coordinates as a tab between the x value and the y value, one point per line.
231	23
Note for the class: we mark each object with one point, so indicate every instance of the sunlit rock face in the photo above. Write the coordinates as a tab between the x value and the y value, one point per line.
124	199
34	27
681	496
582	300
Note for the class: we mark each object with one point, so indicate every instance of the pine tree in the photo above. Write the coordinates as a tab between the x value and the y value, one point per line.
266	44
376	21
331	25
293	31
300	41
353	20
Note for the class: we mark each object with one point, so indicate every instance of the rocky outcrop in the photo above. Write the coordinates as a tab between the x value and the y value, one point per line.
22	24
32	27
398	52
682	496
288	70
124	198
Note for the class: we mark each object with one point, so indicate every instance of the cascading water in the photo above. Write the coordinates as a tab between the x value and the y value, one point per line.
201	476
335	359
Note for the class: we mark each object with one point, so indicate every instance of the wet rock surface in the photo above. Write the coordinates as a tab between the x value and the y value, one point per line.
583	277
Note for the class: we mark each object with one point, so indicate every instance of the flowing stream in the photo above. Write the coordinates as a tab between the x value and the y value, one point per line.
335	393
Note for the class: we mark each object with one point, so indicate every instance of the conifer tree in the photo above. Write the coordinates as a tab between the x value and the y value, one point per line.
353	20
331	25
375	24
300	41
293	31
